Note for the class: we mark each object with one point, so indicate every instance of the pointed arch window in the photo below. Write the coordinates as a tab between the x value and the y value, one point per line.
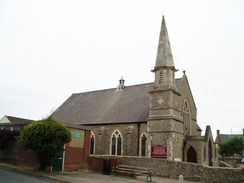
92	143
143	144
116	143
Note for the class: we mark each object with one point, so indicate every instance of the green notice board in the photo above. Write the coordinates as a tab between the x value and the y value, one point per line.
77	135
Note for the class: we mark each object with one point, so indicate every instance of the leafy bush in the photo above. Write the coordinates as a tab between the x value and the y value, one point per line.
233	146
47	138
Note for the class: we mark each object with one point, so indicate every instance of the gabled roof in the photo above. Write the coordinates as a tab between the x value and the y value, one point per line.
225	137
208	135
130	105
220	138
16	120
106	106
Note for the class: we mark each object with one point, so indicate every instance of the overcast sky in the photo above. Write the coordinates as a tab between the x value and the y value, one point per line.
50	49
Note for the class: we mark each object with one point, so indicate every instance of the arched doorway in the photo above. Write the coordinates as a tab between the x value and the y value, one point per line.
191	155
210	162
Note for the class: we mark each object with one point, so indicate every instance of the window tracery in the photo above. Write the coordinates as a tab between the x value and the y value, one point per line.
116	143
186	113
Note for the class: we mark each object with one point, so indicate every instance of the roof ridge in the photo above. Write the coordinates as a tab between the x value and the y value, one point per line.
8	116
116	87
111	88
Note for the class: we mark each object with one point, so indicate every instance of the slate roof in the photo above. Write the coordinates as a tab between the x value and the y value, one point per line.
106	106
16	120
225	137
130	105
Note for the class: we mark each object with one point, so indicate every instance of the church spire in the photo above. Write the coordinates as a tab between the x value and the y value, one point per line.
164	68
164	54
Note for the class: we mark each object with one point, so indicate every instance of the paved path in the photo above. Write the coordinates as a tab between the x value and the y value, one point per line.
92	177
86	177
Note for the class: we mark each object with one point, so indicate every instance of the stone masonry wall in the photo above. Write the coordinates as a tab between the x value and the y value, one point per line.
190	171
129	134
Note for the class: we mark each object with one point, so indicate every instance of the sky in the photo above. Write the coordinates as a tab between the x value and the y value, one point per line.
50	49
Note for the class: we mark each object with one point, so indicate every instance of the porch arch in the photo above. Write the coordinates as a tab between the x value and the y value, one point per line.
191	155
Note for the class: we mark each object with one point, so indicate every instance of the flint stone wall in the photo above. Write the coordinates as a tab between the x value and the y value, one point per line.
190	171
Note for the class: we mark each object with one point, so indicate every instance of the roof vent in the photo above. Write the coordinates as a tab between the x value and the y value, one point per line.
121	84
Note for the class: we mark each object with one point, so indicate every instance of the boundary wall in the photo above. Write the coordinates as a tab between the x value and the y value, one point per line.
172	169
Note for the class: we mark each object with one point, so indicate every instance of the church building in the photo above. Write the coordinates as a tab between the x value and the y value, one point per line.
155	120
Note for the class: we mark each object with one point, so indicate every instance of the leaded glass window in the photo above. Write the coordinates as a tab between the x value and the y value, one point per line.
116	143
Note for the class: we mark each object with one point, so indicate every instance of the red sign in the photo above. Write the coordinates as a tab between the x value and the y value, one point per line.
159	152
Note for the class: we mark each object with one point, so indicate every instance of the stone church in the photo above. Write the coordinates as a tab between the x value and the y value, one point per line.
155	120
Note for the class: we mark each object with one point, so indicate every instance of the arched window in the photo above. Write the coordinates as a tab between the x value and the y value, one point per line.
92	143
116	143
143	144
186	112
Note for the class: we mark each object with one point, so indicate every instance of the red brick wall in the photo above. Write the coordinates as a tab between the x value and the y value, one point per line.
76	157
87	145
97	163
27	157
73	158
18	155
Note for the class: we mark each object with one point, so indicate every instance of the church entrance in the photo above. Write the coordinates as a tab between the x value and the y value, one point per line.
191	155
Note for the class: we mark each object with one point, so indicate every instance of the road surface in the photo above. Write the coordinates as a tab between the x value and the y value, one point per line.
7	176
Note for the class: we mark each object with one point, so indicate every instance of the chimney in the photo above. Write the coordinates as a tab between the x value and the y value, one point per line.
218	140
218	133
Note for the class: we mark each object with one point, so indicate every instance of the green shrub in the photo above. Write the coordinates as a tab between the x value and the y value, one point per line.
47	138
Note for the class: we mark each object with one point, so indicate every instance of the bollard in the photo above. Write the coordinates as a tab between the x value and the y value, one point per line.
181	179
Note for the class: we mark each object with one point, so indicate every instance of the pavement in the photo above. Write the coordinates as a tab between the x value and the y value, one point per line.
88	177
94	177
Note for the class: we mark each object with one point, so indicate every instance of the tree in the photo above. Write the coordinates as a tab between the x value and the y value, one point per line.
235	145
47	138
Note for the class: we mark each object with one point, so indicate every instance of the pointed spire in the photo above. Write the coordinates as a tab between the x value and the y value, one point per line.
164	54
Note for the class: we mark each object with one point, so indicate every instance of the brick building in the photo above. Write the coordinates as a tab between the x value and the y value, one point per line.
157	119
74	157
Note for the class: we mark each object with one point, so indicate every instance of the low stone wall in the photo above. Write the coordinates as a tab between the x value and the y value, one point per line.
190	171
